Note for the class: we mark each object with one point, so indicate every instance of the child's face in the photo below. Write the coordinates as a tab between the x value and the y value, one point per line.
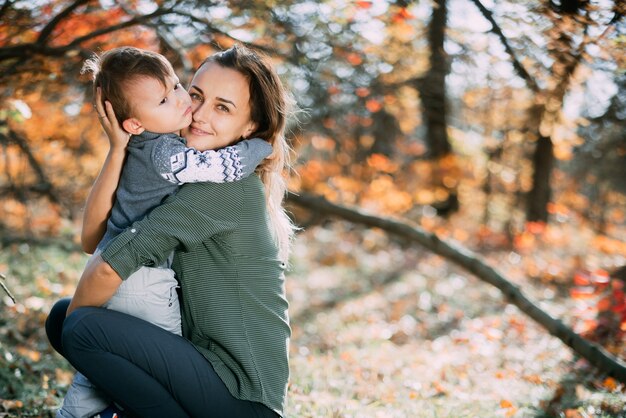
158	109
221	102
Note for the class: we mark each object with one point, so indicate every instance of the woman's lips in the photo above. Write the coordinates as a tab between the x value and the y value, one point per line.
188	111
196	131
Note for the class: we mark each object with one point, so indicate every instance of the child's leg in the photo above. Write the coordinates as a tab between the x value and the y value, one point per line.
150	294
82	400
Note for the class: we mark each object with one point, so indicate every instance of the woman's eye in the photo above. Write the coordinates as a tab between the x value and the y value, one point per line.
176	86
223	108
195	96
163	101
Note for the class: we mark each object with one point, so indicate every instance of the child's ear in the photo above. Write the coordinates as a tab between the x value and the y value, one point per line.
133	126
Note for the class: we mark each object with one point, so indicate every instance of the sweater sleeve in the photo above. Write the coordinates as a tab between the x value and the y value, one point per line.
179	164
195	214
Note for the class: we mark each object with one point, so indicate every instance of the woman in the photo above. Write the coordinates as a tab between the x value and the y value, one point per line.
231	242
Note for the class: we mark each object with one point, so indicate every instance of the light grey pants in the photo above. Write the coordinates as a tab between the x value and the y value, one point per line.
149	294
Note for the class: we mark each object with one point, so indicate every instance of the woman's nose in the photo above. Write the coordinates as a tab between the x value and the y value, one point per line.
199	113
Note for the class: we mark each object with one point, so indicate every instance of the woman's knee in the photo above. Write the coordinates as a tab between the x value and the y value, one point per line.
76	335
54	323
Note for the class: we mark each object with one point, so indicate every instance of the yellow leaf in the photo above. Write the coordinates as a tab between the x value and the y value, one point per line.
505	404
31	354
11	404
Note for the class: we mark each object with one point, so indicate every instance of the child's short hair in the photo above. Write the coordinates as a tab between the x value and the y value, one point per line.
114	69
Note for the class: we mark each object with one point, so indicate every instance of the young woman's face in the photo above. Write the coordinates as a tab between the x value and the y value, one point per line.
157	108
220	100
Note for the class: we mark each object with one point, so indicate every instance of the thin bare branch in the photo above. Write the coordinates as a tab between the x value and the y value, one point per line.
213	29
517	65
466	259
6	289
45	185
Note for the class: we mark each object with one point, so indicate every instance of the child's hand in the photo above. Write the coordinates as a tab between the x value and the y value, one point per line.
118	137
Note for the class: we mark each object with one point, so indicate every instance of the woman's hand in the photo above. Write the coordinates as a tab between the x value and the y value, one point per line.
118	138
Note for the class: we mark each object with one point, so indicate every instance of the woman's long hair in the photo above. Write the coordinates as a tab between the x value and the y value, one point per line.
269	108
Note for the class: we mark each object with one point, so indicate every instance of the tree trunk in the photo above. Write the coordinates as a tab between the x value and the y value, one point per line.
471	262
541	192
432	87
386	132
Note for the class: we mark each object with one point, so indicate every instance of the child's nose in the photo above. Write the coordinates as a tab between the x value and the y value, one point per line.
184	100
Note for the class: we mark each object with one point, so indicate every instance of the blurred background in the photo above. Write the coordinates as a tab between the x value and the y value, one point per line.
499	126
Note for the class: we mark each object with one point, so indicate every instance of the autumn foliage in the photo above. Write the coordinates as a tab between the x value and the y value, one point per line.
533	178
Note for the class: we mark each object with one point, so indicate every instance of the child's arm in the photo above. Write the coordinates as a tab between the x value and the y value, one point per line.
102	195
180	164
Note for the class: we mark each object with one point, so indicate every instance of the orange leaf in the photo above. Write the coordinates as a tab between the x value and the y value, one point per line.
505	403
354	58
581	279
610	383
535	227
572	413
402	15
604	304
333	89
601	277
524	240
362	92
364	4
373	105
11	404
439	388
582	292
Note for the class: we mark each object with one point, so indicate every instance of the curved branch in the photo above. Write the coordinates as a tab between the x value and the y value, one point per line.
47	30
463	257
517	65
34	48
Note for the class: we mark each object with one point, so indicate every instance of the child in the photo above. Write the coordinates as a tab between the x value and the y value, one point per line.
151	105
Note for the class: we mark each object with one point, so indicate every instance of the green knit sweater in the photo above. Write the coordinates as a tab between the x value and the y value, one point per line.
233	304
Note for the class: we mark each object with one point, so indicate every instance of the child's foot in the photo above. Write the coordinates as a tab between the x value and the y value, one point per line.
110	412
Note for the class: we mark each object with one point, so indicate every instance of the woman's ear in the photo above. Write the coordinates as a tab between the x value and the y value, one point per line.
252	126
133	126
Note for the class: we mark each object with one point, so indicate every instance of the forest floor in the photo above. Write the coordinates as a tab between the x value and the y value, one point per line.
380	329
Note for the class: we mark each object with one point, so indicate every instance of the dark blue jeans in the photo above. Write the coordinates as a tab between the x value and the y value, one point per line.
145	369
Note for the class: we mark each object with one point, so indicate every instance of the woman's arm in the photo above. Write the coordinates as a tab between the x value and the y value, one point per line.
195	214
102	195
96	286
